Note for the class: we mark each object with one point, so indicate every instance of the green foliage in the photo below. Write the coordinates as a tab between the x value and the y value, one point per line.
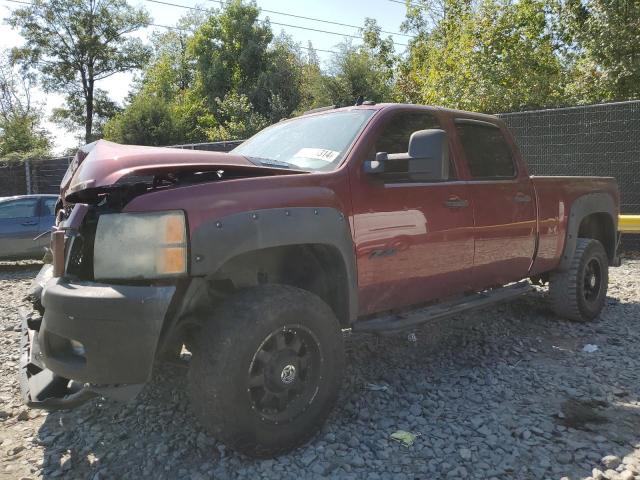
226	75
352	75
367	70
22	139
237	118
492	56
75	43
278	89
72	114
229	78
147	121
21	136
604	37
499	55
230	52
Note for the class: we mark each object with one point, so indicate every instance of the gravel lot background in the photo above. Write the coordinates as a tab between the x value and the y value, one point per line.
502	393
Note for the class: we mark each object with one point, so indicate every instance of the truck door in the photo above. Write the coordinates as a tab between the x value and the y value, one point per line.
414	241
503	205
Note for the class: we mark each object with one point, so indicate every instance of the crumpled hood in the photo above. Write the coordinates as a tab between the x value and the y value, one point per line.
103	164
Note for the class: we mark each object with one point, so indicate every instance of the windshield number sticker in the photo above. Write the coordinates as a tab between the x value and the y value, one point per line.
317	153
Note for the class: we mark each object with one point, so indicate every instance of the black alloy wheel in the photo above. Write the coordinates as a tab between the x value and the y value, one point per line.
284	374
266	369
592	280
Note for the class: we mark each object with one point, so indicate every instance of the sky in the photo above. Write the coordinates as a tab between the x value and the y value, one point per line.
388	13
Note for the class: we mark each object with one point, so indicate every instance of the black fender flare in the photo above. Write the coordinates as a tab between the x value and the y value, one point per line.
217	241
582	207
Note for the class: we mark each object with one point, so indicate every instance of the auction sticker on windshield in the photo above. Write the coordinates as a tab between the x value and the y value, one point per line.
317	153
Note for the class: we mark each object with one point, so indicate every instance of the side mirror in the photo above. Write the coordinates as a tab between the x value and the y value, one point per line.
376	166
427	159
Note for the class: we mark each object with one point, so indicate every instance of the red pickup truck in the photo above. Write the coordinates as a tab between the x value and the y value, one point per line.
258	260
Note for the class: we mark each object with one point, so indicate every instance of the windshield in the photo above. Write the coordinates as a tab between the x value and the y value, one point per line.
316	142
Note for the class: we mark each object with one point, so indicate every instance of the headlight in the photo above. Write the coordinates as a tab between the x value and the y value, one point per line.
140	245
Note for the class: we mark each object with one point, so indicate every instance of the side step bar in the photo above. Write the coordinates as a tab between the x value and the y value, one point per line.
391	323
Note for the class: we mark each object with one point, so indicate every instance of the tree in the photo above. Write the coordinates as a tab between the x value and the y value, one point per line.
222	75
167	92
603	48
148	120
21	135
278	89
312	87
490	55
354	71
230	52
367	70
76	43
72	115
237	119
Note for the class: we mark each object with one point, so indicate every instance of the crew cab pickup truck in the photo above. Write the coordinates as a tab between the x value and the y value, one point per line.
259	260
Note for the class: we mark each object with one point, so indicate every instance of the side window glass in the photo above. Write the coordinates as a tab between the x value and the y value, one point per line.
395	136
18	209
49	209
488	153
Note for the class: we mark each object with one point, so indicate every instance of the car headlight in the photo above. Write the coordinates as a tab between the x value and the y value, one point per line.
140	246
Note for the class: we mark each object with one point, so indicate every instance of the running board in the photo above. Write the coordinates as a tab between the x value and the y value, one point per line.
390	323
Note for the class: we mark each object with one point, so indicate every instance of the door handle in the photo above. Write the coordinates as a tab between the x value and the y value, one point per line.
29	222
456	202
521	198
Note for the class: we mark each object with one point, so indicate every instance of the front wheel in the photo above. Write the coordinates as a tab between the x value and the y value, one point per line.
266	369
579	293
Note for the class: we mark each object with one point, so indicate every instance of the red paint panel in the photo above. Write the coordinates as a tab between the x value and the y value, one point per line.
505	231
410	247
556	195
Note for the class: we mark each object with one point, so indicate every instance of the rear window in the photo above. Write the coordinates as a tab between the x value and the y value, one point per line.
488	153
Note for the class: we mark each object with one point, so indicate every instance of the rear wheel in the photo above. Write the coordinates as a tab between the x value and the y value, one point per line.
266	369
579	293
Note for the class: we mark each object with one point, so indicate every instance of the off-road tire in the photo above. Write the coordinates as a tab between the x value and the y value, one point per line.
224	355
569	290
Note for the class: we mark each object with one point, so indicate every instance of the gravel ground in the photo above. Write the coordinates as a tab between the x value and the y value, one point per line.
507	392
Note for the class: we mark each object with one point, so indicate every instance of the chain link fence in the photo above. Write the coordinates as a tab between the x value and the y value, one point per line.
600	140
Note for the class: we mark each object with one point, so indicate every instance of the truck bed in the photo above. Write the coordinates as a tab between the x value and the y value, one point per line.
554	197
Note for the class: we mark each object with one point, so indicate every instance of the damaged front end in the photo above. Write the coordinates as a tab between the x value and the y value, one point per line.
102	308
86	336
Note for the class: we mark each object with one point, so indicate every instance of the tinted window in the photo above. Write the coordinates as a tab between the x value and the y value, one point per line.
487	152
49	207
395	136
18	208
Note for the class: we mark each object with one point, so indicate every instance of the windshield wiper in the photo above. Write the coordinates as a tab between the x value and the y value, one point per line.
270	163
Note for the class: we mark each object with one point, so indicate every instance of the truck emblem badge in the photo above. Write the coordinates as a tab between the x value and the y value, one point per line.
288	374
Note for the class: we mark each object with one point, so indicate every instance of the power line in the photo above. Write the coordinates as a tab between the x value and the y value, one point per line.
182	29
275	23
272	22
317	19
401	2
191	31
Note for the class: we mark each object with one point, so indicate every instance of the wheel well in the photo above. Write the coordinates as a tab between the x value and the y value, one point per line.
317	268
600	226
